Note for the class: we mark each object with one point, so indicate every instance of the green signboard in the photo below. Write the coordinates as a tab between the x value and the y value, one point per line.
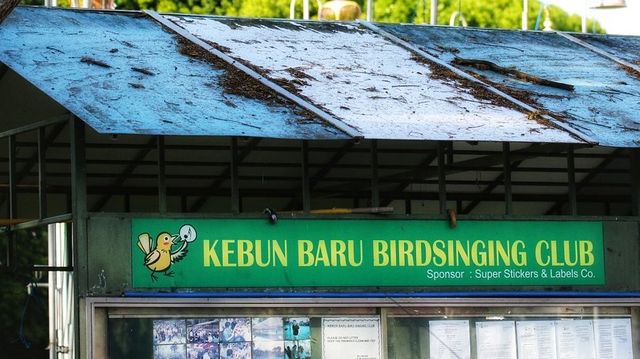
331	253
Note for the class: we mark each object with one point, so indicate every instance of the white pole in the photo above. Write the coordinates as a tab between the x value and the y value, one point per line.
370	10
305	9
292	9
584	16
525	15
434	12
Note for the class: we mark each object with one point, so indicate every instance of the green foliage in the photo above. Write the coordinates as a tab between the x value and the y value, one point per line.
31	249
504	14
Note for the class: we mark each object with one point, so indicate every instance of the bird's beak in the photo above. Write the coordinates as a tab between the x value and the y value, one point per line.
173	239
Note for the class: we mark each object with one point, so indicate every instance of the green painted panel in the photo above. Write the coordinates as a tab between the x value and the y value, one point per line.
180	253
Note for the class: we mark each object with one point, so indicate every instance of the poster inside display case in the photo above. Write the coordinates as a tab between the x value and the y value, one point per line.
232	338
498	337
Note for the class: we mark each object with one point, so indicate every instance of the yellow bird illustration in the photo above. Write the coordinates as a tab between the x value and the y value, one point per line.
161	257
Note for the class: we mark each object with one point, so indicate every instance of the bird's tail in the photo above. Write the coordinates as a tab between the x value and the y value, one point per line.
144	243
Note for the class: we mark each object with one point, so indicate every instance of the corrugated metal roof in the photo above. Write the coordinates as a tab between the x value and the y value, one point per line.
367	81
625	47
122	73
358	76
605	104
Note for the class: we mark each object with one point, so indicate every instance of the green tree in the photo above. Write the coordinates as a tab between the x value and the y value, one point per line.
504	14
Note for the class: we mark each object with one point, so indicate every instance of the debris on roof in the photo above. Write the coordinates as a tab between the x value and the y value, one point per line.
87	61
333	64
604	103
123	72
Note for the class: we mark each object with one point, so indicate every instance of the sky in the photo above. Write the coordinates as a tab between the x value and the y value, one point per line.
624	21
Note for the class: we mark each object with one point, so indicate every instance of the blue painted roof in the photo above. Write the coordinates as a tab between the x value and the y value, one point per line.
625	47
122	72
60	52
606	102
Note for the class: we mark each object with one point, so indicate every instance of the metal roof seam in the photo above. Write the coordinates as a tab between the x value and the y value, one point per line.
599	51
350	131
580	135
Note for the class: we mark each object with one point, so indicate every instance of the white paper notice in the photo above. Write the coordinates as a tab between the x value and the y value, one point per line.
613	338
351	338
574	339
496	340
536	339
449	339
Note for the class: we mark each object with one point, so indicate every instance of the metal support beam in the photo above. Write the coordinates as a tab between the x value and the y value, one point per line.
585	181
442	179
635	181
42	173
571	181
490	187
79	214
233	173
224	175
162	183
33	160
375	190
125	174
12	210
474	164
323	171
506	165
306	189
403	185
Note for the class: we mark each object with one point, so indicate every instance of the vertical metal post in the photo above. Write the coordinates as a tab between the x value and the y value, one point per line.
375	190
79	228
434	13
162	183
11	250
235	182
571	179
635	181
370	10
442	189
12	177
42	173
506	165
306	190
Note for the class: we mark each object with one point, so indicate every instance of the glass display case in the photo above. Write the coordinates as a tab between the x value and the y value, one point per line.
393	329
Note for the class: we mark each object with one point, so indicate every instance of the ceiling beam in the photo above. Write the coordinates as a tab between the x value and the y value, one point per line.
225	175
124	175
323	171
591	175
